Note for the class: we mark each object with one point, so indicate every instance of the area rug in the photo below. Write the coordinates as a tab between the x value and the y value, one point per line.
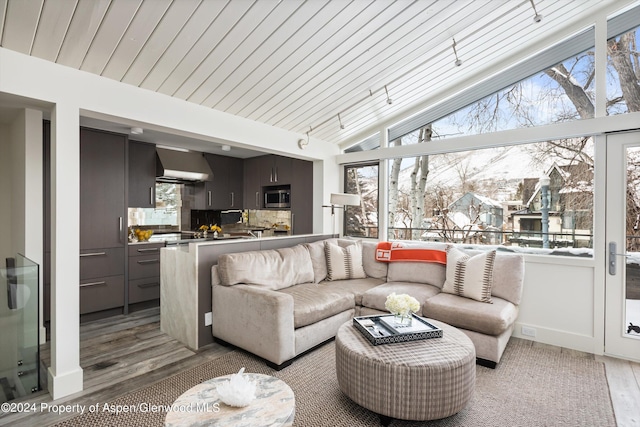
530	387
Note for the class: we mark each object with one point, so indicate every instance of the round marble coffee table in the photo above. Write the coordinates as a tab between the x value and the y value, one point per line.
416	380
274	405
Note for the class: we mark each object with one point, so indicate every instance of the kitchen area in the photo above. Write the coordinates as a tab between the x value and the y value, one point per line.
137	198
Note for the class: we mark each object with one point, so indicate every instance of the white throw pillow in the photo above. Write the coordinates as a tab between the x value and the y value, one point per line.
344	262
469	276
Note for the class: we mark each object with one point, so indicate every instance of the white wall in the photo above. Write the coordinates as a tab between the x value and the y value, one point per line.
560	302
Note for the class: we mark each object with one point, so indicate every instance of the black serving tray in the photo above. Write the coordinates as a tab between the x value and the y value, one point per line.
384	331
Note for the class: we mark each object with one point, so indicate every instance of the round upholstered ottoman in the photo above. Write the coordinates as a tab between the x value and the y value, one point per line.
417	380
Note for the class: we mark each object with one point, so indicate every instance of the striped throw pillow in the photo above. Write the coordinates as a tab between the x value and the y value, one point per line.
469	276
344	263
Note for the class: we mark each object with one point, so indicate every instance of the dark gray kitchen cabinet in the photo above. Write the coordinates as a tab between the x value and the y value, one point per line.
264	171
302	197
102	189
144	272
102	220
236	183
252	184
142	175
225	189
277	170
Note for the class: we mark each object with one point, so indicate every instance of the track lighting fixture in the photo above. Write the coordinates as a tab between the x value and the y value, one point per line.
455	52
302	143
389	101
340	121
537	17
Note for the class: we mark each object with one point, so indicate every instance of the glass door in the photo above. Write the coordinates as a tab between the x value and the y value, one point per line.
622	317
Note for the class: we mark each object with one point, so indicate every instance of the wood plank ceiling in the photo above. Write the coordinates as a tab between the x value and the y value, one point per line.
289	63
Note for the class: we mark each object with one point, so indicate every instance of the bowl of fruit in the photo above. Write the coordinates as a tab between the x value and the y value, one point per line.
143	235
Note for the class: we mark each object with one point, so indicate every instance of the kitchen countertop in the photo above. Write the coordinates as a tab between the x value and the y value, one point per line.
179	239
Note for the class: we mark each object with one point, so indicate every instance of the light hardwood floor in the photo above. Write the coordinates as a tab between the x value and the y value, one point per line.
125	353
118	355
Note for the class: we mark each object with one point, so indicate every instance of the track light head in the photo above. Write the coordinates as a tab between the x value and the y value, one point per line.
458	61
389	101
537	17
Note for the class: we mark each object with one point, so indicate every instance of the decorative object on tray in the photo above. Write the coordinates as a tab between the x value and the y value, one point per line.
402	307
238	391
382	329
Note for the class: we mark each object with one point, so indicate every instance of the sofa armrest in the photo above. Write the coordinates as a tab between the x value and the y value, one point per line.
255	319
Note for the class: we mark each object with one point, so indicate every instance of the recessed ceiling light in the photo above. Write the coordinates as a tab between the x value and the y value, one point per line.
137	131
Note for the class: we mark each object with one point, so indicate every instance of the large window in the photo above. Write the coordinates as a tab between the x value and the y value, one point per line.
496	196
362	221
623	73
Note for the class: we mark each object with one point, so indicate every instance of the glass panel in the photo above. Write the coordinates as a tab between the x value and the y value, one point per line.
536	101
623	68
362	221
632	285
19	330
494	197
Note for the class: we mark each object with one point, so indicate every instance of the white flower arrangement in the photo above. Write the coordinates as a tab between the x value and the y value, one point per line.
402	305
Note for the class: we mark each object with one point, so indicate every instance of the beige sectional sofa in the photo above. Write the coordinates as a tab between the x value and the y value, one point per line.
281	303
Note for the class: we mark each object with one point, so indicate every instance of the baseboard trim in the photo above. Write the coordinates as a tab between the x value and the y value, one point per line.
559	338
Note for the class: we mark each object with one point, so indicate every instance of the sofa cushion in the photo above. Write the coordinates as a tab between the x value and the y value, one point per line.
344	262
274	268
356	287
508	277
465	313
372	267
319	259
469	276
312	303
418	272
376	297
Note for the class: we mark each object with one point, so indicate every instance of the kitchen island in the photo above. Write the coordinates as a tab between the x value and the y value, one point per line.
185	282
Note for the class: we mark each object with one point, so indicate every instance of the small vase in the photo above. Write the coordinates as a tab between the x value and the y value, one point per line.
402	319
215	234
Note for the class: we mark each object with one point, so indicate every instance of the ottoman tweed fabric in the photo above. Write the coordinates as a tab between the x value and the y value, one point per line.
418	380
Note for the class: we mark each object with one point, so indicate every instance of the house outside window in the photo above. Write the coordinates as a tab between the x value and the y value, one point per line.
494	197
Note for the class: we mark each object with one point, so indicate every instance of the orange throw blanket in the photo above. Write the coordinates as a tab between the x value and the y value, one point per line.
400	251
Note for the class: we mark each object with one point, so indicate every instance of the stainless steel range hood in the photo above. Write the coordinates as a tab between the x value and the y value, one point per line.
181	166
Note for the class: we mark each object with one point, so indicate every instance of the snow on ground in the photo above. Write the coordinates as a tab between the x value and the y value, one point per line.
633	315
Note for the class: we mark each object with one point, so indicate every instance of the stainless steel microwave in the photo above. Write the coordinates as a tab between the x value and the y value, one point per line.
277	199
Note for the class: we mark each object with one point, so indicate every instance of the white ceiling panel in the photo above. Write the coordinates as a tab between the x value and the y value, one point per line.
20	24
53	26
84	25
145	21
293	64
240	43
202	49
111	30
183	43
174	20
